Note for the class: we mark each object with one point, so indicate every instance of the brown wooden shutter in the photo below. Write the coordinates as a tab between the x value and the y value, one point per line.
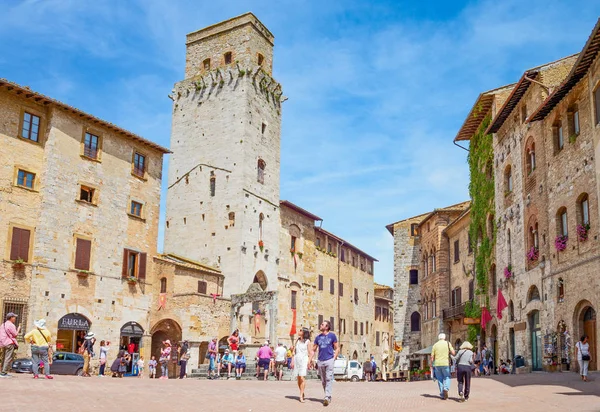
341	289
25	235
15	244
320	282
142	267
82	254
125	262
202	287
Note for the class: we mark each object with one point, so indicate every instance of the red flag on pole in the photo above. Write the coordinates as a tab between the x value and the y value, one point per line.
162	301
501	304
257	322
485	317
293	329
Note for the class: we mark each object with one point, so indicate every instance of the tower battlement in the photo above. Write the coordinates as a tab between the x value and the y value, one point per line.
241	40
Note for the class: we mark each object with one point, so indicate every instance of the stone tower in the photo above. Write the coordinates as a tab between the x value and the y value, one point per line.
223	190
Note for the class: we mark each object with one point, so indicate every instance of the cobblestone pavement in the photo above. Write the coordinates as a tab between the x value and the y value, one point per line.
530	393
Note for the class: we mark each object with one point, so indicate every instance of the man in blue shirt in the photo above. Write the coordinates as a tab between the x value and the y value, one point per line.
327	345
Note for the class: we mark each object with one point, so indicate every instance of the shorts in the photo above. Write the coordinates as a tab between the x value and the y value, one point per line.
279	365
240	365
264	363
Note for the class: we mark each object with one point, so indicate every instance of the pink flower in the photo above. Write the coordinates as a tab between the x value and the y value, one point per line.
560	243
533	254
508	272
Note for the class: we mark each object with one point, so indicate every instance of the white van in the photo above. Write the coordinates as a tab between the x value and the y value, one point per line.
344	369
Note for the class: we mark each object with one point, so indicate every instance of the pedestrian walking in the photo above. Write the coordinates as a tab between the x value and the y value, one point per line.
88	353
301	353
326	344
41	350
280	353
165	355
152	367
485	360
373	368
440	356
8	342
368	370
264	360
212	355
583	357
140	367
104	346
240	365
184	357
464	366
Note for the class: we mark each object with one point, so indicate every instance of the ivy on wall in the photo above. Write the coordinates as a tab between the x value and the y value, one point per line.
481	191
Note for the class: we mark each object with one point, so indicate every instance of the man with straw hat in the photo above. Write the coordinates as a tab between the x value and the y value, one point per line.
464	361
40	339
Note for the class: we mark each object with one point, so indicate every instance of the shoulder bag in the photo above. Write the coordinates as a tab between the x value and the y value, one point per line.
583	357
50	351
14	340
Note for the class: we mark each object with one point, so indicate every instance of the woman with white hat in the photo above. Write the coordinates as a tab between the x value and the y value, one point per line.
464	366
40	339
88	353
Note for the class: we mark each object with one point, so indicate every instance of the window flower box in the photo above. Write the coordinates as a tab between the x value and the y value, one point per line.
533	254
132	280
18	263
83	274
261	245
508	273
560	243
582	232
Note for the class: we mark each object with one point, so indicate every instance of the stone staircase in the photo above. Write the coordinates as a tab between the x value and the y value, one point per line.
202	372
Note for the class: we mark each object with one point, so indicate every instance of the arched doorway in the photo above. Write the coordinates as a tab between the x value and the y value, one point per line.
355	355
587	326
535	333
494	348
130	340
71	332
166	329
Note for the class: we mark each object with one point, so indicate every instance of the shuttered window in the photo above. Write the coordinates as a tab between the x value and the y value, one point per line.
134	264
83	250
376	338
293	299
341	289
320	283
332	323
332	286
19	246
320	321
202	287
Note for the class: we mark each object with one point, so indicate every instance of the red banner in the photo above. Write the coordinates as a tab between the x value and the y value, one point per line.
293	329
501	304
485	317
162	301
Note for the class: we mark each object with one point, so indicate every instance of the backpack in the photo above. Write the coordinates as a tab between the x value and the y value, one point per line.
488	355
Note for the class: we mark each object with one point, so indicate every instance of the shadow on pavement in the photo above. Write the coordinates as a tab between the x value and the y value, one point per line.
564	379
297	398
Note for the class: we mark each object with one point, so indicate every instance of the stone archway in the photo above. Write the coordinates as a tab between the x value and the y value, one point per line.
166	329
261	279
355	355
585	324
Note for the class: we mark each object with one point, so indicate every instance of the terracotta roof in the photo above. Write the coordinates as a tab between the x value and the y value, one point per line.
517	93
380	286
584	61
299	210
339	239
40	98
459	207
390	227
459	218
480	109
190	264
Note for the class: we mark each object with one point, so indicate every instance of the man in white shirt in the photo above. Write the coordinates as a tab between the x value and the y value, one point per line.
280	352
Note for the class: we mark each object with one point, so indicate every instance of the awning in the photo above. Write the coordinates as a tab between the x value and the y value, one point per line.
424	351
132	329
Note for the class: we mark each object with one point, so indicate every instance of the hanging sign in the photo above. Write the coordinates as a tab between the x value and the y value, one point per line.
471	321
74	321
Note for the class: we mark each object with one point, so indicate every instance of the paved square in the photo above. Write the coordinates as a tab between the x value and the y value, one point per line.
530	393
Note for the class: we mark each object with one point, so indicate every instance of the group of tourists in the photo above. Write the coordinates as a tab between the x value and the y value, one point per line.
469	363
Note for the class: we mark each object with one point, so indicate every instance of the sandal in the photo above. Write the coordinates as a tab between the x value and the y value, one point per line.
301	398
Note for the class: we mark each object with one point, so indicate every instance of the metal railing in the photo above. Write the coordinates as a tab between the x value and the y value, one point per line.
455	311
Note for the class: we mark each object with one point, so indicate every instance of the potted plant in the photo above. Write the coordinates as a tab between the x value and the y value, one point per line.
132	280
83	273
508	273
18	263
533	254
560	243
582	231
261	245
299	255
292	251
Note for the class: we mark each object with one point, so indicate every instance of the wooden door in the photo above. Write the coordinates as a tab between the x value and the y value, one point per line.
589	329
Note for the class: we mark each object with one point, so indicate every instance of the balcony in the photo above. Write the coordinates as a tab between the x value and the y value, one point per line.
455	312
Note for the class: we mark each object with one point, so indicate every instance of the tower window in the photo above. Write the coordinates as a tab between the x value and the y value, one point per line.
213	185
263	128
227	57
261	59
206	64
231	218
260	178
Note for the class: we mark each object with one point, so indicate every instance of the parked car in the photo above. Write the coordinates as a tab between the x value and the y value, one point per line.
63	363
344	369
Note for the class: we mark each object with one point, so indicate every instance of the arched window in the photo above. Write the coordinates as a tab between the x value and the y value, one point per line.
562	227
261	171
583	209
163	285
415	322
228	57
559	136
213	184
433	262
561	290
508	180
573	118
530	156
261	217
426	267
426	308
533	294
508	247
433	306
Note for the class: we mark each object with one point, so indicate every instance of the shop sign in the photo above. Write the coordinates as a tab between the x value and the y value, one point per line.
471	321
74	321
520	326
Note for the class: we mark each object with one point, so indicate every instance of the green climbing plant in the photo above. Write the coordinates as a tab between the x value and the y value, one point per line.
481	191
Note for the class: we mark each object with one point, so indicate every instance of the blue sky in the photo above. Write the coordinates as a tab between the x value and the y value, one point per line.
377	89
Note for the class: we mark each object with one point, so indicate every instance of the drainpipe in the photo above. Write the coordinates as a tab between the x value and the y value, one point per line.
464	148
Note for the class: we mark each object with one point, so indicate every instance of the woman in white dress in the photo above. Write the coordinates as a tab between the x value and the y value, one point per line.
301	352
